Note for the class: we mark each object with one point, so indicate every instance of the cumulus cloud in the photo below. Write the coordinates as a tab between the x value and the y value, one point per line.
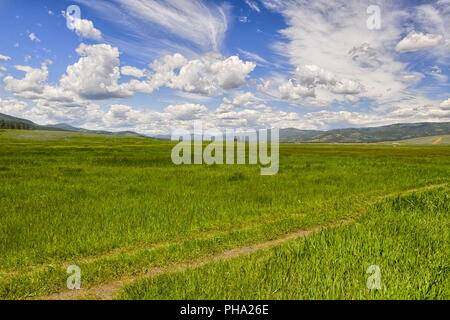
119	114
245	99
312	75
31	85
132	71
33	37
291	91
445	105
417	41
96	74
186	111
347	87
351	99
84	28
12	107
83	115
403	112
5	58
210	74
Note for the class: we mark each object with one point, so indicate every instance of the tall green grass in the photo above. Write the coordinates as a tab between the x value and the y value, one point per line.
407	237
73	198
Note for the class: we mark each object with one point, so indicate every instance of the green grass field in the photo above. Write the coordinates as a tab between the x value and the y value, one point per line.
118	208
407	237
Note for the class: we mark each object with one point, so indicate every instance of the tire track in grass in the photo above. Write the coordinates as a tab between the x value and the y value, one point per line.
108	291
201	235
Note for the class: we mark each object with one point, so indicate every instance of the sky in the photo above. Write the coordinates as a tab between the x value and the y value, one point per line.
157	66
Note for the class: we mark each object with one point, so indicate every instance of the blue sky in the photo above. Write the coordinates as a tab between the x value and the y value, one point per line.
156	66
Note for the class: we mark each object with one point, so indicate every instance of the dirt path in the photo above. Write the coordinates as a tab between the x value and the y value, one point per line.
437	141
431	186
108	291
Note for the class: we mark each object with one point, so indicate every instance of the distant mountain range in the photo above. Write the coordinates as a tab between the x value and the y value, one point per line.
393	132
9	122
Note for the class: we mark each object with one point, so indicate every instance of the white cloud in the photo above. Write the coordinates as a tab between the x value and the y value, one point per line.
243	19
86	29
86	115
120	115
12	107
192	20
211	74
253	56
245	99
33	37
312	75
412	77
253	5
264	85
5	58
291	91
417	41
30	86
411	112
347	87
208	75
445	105
334	54
83	27
96	74
201	23
132	71
186	111
351	99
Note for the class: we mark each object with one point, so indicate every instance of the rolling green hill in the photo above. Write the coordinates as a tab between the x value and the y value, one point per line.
10	122
431	140
393	132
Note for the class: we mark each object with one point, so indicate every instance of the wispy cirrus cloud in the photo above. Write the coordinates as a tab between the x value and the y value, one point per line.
198	25
253	5
334	54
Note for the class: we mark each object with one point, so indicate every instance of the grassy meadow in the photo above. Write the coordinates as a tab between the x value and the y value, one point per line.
407	237
118	208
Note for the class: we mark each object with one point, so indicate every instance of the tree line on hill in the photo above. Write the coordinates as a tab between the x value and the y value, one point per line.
4	124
